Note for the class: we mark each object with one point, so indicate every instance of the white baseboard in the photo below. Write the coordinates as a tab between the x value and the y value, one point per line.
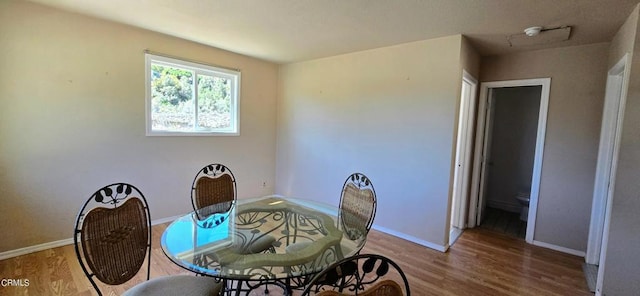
62	242
559	248
507	206
36	248
410	238
454	234
165	220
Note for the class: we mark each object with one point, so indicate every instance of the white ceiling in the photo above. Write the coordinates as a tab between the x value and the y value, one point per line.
285	31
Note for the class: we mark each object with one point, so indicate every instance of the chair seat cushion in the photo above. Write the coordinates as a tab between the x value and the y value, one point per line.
176	285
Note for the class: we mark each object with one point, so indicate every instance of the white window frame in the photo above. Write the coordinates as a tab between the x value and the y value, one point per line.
234	76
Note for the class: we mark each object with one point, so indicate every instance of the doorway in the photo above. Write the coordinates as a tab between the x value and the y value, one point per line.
462	168
511	145
511	148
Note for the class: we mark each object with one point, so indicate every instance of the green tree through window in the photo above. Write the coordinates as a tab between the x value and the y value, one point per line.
188	99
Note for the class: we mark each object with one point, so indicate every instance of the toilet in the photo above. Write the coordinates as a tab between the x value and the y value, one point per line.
523	199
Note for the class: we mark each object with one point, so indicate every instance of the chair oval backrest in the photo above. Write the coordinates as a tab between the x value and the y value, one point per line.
114	241
214	188
113	234
364	274
357	205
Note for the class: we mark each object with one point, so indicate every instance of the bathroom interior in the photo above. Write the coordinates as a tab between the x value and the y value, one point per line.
511	156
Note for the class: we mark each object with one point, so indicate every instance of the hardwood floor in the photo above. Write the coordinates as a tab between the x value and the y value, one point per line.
481	262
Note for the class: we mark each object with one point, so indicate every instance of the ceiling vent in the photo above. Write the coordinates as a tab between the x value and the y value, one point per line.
539	35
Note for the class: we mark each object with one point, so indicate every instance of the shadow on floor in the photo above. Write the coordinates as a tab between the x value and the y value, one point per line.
505	222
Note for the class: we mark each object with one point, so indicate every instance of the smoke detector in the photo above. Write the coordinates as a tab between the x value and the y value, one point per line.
532	31
537	36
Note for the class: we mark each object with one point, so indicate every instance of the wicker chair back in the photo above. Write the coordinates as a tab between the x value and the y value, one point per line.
112	234
214	188
357	205
364	274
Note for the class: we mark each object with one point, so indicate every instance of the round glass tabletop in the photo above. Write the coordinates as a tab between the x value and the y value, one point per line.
263	238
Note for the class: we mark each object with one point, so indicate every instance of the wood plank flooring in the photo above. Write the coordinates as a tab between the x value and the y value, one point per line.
482	262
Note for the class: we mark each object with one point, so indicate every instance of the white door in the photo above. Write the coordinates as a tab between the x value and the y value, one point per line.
607	152
482	154
460	192
615	101
486	157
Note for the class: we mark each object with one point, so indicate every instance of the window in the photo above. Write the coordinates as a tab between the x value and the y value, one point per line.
185	98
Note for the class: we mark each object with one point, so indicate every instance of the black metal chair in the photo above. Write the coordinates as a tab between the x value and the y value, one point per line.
358	203
213	191
364	274
357	210
112	239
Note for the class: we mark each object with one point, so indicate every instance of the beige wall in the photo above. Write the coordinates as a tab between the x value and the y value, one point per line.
578	76
469	58
389	113
72	119
624	40
622	276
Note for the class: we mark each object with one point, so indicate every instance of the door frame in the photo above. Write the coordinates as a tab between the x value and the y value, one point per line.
463	161
480	165
615	97
612	119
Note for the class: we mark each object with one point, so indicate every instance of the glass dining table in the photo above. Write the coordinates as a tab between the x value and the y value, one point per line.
304	237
